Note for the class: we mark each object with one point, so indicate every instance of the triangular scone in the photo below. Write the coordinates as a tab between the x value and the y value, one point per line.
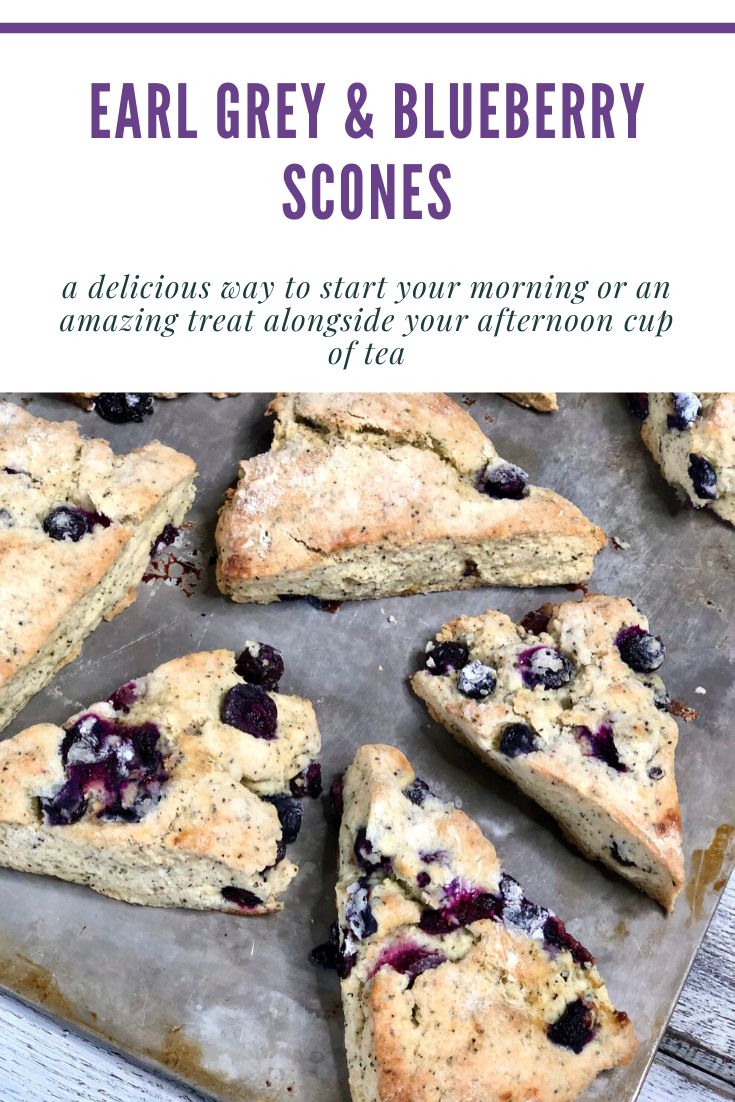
542	402
175	792
368	495
76	527
692	438
570	709
454	985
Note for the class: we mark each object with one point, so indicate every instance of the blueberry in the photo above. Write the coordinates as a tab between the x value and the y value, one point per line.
123	698
518	739
121	768
476	681
335	802
446	657
637	405
289	815
618	856
464	905
122	408
423	879
165	538
6	519
643	652
537	620
575	1028
251	710
365	854
435	857
558	939
260	664
327	955
703	476
545	666
358	913
655	772
242	898
687	408
308	782
601	745
67	522
503	481
409	959
417	791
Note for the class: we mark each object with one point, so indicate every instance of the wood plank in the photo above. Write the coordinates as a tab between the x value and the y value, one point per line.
702	1028
668	1081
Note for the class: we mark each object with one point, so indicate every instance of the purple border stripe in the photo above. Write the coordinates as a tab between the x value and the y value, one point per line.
367	28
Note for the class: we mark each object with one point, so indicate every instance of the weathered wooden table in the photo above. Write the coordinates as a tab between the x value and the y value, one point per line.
40	1061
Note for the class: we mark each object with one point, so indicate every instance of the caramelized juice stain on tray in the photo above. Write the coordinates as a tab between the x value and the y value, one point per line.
706	868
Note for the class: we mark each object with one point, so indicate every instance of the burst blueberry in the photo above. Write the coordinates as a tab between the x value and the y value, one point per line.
242	898
308	782
687	408
445	657
505	480
165	538
545	666
463	905
640	650
476	680
358	913
703	476
260	664
123	698
327	955
575	1028
251	710
122	408
417	791
408	958
600	744
518	739
365	854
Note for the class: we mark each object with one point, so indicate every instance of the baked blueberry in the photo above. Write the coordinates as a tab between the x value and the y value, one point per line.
417	791
476	680
67	522
327	955
703	476
445	657
423	879
537	620
655	772
260	664
600	744
290	813
538	922
123	698
575	1028
557	938
502	481
643	652
358	913
308	782
250	709
409	959
544	666
242	898
366	856
619	858
518	739
687	408
165	538
122	408
464	905
335	803
638	405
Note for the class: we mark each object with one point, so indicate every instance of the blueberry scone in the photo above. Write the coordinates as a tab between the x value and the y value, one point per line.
120	409
454	985
77	524
177	791
369	495
569	707
692	438
542	402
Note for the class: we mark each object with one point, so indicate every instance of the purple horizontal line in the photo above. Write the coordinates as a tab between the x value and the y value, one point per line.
367	28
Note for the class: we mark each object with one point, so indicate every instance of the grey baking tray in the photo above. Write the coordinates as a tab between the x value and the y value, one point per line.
231	1004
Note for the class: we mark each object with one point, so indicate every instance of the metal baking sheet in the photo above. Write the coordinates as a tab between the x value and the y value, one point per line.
231	1005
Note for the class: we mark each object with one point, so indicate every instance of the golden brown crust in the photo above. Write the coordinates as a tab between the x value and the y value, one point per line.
385	475
629	819
542	402
474	1024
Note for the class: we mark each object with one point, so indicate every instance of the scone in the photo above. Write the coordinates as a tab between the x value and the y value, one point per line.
121	408
454	985
570	708
178	791
692	438
543	402
372	495
76	528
